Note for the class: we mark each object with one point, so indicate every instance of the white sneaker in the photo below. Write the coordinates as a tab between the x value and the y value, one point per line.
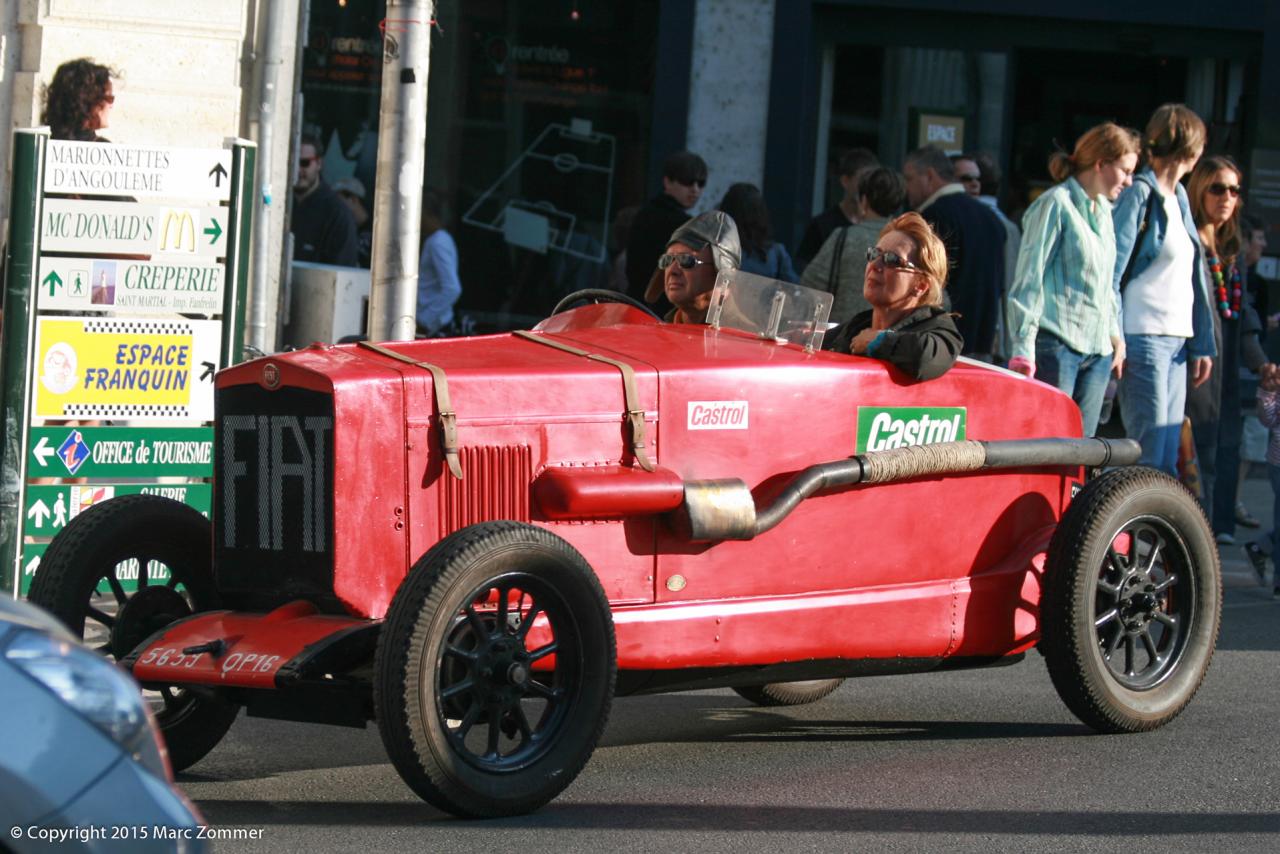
1225	539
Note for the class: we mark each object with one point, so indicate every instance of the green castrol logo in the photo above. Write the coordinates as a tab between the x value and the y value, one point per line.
883	427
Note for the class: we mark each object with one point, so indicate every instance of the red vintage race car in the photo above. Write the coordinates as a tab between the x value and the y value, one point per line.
478	543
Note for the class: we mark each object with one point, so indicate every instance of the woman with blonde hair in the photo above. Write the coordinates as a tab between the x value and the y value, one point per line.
906	325
1214	408
1166	315
1062	311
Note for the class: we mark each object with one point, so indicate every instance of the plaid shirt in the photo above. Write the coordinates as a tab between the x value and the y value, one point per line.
1269	415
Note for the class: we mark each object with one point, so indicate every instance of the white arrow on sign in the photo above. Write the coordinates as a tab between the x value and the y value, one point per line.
39	512
43	450
32	565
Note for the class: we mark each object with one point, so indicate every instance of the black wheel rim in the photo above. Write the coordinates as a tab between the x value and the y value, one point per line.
1145	600
508	673
116	620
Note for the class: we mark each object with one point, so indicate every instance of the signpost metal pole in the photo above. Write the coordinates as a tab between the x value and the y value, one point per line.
402	133
22	265
239	240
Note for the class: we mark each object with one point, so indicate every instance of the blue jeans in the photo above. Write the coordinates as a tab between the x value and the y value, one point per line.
1083	377
1153	396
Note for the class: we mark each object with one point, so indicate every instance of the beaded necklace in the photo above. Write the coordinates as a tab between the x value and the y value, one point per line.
1229	309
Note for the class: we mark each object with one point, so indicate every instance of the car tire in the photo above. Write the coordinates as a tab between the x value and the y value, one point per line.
89	551
477	716
788	693
1131	602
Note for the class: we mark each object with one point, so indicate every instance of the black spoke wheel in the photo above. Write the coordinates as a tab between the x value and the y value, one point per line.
595	296
495	670
80	581
1132	601
788	693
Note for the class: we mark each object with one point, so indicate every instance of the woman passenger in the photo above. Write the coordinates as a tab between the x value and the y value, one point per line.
906	325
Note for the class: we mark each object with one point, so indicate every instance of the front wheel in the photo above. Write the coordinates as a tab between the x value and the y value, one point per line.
495	670
81	581
1132	600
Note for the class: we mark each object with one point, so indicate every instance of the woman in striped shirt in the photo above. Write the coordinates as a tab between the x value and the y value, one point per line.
1062	308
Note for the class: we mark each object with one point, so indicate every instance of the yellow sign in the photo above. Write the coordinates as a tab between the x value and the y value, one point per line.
125	368
177	224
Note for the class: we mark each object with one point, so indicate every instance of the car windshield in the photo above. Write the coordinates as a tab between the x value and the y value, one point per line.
770	308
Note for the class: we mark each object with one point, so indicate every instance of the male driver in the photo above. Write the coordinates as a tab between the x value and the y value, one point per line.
975	245
686	272
323	228
683	176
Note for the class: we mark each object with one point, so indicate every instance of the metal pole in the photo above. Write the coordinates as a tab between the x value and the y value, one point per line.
402	139
272	60
22	262
239	228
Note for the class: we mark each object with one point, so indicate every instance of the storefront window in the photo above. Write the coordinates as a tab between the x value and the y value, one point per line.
537	135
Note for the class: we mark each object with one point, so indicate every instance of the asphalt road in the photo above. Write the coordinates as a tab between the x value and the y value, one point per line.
984	760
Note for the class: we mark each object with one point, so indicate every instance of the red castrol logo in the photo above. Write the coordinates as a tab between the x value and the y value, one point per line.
717	415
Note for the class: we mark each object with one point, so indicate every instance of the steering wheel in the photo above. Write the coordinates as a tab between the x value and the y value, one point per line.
595	296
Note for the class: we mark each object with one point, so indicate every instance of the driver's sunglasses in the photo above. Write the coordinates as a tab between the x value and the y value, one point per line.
889	259
685	259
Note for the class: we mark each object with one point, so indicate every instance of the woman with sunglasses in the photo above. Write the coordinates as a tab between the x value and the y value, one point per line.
1062	314
1166	315
1214	408
78	101
906	325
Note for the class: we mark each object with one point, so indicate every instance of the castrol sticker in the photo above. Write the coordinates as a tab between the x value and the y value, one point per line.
717	415
881	428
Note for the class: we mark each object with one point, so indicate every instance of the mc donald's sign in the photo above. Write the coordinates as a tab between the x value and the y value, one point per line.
127	228
176	225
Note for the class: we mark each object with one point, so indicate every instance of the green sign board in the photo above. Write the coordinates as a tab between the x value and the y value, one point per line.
126	572
883	427
31	555
120	452
47	509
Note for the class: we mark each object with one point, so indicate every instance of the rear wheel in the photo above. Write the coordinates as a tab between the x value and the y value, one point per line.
788	693
495	670
1132	600
82	581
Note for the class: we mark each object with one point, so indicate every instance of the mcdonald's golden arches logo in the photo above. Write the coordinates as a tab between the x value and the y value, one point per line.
177	224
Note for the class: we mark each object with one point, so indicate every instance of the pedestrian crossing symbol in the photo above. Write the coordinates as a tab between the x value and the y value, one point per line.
73	451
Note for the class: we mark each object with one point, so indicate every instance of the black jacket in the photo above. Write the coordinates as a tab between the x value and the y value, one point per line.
324	231
975	252
650	231
924	344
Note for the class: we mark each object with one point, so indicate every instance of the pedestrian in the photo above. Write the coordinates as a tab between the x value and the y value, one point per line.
903	282
968	174
1269	415
1062	309
684	175
351	191
696	253
324	231
761	254
975	246
840	265
438	283
989	176
1214	408
1165	307
850	165
79	100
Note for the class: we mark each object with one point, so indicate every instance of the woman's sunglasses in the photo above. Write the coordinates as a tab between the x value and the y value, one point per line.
892	260
1219	189
684	259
